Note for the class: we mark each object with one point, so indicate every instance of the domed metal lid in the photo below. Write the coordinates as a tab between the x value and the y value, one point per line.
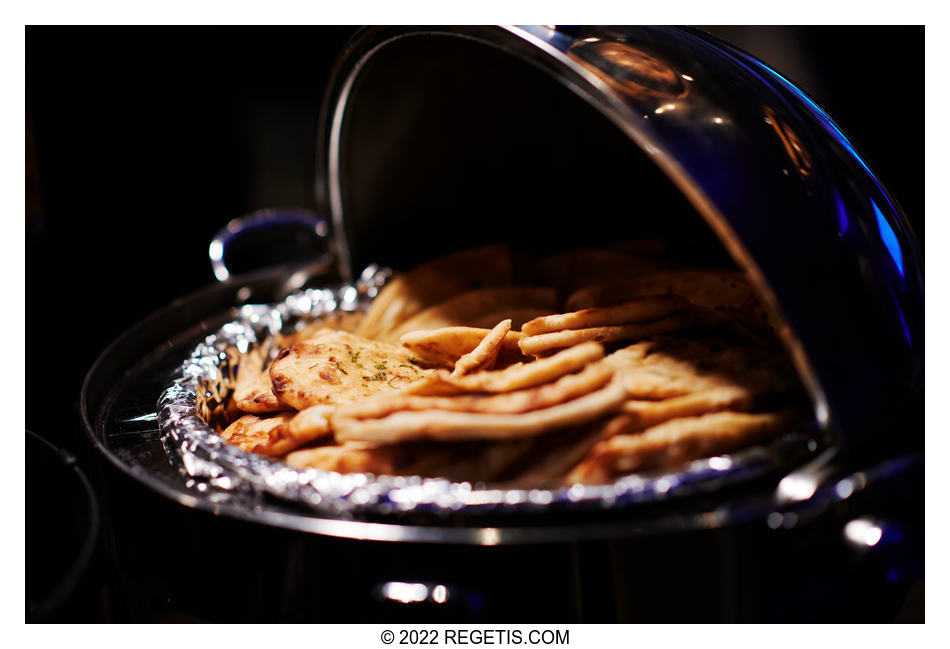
773	177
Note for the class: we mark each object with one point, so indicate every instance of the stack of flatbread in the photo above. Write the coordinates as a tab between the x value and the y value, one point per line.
493	367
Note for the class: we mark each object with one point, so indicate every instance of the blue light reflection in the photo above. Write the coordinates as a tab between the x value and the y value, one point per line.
904	327
842	214
843	140
889	238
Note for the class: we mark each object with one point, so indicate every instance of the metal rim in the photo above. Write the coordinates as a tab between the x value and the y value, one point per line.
77	569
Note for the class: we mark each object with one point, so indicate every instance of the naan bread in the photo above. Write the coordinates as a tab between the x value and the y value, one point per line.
638	309
552	456
479	461
362	458
467	396
695	317
670	367
443	347
438	425
514	377
708	288
407	294
252	391
518	316
465	308
675	442
336	367
311	423
484	355
265	436
563	389
642	414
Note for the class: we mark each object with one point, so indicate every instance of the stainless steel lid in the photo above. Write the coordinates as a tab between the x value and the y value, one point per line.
435	139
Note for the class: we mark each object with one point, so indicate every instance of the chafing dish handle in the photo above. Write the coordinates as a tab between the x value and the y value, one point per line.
305	219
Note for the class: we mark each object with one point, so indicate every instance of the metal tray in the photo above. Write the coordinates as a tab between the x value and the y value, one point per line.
210	466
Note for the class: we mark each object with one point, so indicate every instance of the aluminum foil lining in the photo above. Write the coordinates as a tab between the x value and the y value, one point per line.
221	472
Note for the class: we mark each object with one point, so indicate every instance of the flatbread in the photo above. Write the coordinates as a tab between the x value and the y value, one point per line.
643	414
669	367
484	355
483	461
518	316
638	309
361	458
709	288
252	390
262	435
311	423
675	442
444	346
520	408
568	271
551	457
477	461
407	294
438	425
514	377
565	388
335	367
463	309
544	343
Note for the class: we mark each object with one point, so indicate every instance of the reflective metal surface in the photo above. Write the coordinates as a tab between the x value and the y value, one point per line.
313	228
56	489
783	189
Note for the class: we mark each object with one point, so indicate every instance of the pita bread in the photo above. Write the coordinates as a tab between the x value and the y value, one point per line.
519	408
514	377
675	442
252	390
669	367
643	414
361	458
480	461
407	294
443	347
484	355
517	316
311	423
637	309
264	436
565	388
465	308
709	288
544	343
552	456
441	425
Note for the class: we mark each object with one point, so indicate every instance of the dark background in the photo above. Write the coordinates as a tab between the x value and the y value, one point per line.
142	142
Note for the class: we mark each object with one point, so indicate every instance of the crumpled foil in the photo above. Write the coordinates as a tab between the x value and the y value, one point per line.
221	471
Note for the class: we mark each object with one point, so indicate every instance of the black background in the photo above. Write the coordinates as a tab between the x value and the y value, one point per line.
142	142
